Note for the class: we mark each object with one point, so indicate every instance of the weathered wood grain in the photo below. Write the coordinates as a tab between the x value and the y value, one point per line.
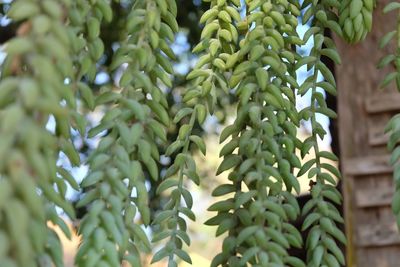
367	165
378	235
383	102
363	110
374	196
376	128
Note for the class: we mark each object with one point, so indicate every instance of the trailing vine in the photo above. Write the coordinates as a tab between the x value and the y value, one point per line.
219	39
248	50
32	88
135	123
263	141
355	18
322	216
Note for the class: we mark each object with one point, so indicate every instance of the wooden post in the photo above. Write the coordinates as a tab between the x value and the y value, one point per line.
364	109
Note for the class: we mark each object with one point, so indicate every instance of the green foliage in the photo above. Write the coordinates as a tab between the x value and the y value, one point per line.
136	124
261	150
356	19
249	51
32	87
322	216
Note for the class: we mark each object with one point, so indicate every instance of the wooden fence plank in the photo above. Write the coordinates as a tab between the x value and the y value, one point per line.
374	197
376	135
376	235
377	103
367	165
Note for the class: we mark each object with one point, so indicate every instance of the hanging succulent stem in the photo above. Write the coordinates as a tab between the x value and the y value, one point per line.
355	18
136	124
84	21
32	88
321	215
263	143
176	225
219	41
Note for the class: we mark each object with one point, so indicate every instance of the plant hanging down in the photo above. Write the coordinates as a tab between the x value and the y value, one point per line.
249	51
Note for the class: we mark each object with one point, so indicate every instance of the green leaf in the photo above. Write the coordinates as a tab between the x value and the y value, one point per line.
189	213
248	254
199	142
294	262
181	114
309	220
328	155
245	233
229	162
159	255
388	79
386	39
225	225
332	246
306	166
168	183
183	255
317	255
391	6
223	190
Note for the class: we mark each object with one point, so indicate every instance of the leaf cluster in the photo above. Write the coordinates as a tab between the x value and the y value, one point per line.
249	51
